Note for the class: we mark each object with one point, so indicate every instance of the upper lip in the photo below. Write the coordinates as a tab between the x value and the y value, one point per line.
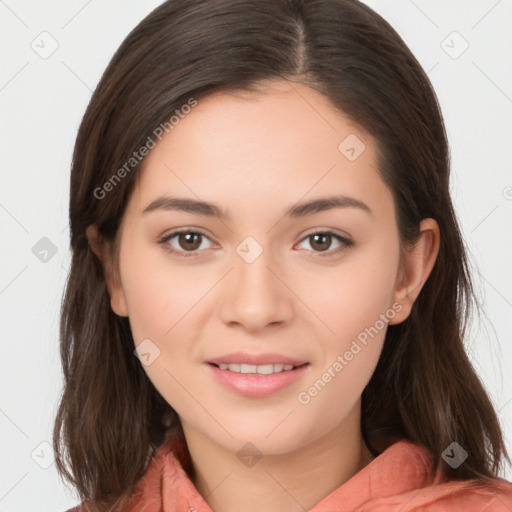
257	359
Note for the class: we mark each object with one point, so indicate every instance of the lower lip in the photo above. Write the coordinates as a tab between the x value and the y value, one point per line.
258	386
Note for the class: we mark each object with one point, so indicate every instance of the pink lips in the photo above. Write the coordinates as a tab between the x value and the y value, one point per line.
252	385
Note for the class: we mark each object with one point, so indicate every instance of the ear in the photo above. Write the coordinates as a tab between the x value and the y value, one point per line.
417	263
103	250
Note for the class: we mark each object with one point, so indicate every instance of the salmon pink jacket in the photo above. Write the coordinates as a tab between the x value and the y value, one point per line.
396	480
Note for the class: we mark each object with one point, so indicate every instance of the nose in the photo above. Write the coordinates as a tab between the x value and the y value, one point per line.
256	295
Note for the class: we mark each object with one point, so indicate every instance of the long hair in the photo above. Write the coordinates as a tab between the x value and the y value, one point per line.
110	418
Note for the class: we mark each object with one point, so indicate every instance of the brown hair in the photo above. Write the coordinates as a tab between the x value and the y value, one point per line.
110	418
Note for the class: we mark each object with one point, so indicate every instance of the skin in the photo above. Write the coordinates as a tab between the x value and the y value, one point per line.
255	155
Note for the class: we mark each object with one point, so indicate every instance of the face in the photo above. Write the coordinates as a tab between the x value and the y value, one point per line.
269	274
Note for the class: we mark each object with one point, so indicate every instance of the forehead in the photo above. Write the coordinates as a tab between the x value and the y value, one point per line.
283	142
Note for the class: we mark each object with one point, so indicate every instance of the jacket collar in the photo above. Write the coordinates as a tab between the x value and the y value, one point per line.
401	468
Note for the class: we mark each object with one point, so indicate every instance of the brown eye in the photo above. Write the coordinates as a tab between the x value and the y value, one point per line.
321	241
326	242
185	243
189	241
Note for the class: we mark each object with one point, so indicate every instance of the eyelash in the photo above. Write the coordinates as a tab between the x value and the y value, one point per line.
346	243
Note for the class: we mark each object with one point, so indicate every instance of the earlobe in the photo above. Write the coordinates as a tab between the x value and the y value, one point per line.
102	249
417	264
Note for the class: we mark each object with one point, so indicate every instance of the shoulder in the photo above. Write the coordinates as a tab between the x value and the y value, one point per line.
468	495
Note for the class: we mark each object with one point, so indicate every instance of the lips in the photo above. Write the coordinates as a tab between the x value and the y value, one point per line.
256	375
260	369
255	359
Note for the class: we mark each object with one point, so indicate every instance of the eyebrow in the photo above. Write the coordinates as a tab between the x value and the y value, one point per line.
194	206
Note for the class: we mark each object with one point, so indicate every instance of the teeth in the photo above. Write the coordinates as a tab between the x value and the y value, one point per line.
261	369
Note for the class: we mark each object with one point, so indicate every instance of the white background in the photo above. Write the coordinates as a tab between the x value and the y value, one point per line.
41	104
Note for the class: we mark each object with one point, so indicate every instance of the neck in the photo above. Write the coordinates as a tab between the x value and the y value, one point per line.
293	481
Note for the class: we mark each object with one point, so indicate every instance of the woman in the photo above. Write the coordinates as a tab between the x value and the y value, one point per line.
268	290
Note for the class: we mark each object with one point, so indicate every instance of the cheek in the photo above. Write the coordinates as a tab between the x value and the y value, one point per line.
168	305
159	294
358	312
163	302
351	297
355	303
